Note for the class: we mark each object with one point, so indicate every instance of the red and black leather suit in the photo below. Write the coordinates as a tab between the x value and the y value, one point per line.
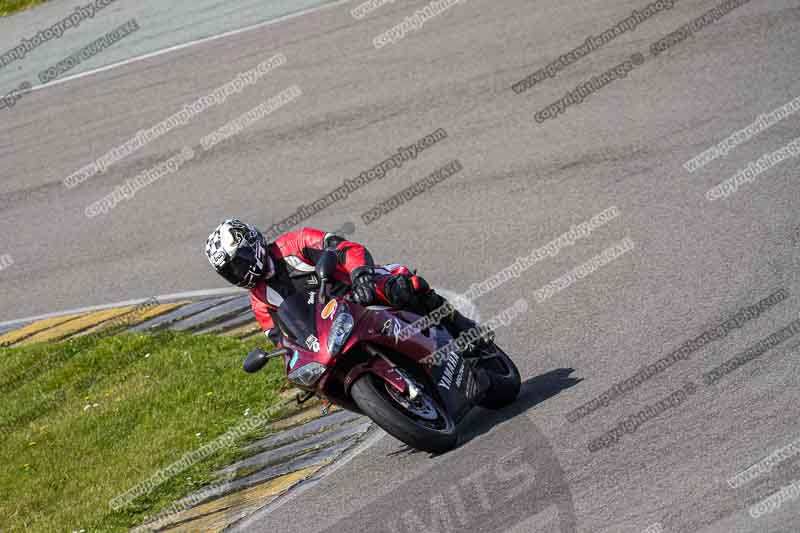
294	256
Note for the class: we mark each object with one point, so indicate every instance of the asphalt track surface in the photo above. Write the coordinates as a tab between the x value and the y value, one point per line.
695	262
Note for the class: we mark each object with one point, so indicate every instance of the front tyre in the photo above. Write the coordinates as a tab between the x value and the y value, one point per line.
505	380
421	423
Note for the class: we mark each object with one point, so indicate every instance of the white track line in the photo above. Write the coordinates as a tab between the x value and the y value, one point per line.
187	45
161	299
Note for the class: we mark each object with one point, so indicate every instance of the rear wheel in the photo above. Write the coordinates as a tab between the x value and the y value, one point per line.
420	423
505	380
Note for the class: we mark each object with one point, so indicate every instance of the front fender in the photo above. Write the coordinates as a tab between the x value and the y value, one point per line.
378	367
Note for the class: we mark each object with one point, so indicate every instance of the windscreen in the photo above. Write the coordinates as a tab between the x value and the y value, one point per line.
296	315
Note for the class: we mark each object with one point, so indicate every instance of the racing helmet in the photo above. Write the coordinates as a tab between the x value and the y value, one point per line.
238	253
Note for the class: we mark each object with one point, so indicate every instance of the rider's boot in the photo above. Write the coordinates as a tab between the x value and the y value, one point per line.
458	324
413	292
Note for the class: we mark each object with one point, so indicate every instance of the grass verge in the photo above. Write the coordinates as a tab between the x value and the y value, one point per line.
9	7
85	420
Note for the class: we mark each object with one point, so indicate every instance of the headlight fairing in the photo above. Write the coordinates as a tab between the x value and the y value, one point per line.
308	374
340	329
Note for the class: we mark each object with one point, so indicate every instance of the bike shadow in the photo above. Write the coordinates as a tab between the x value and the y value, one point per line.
533	391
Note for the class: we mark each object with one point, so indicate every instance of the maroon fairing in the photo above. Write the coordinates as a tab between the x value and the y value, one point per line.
376	329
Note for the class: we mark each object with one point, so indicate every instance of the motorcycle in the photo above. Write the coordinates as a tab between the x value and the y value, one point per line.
360	359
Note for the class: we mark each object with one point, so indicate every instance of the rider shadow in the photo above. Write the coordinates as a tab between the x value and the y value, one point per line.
534	391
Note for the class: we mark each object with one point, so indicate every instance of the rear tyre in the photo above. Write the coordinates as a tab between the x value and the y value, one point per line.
421	424
505	380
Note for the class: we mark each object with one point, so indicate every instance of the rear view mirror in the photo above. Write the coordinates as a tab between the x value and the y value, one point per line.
255	361
326	265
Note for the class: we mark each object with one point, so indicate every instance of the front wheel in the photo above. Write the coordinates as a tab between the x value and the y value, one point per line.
420	423
505	380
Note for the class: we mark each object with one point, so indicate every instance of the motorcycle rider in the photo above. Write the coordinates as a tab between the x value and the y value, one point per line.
272	271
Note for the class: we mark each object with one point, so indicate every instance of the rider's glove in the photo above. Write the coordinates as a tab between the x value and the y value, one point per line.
363	288
274	335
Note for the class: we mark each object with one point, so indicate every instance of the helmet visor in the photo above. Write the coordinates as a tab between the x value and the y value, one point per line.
245	268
